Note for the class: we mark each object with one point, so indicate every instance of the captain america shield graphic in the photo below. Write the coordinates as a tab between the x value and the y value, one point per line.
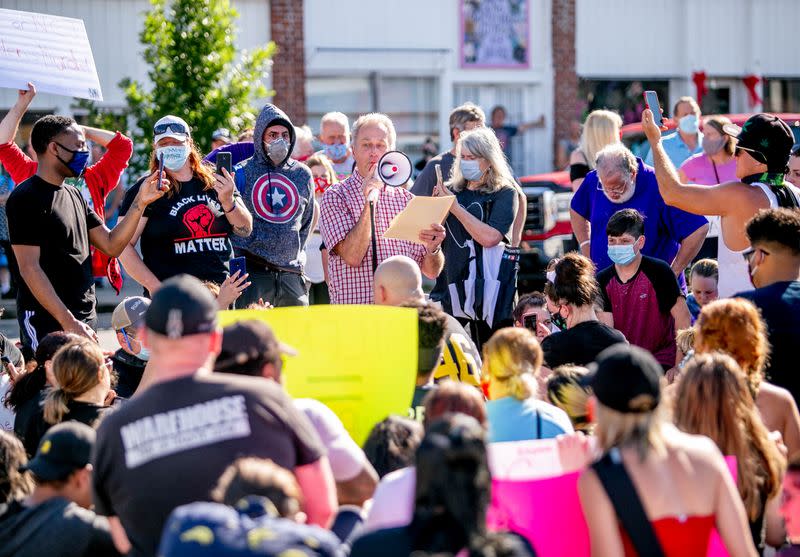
275	198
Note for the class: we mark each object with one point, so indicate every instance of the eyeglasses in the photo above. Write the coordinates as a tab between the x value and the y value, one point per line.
617	191
175	127
757	155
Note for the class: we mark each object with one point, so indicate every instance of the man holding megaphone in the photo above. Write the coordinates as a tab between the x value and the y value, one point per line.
356	213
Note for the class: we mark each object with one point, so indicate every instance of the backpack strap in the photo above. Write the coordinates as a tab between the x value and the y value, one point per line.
627	505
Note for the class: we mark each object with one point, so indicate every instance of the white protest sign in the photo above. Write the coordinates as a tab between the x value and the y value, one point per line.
52	52
524	460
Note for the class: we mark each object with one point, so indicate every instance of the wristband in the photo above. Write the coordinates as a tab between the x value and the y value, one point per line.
229	210
434	252
584	243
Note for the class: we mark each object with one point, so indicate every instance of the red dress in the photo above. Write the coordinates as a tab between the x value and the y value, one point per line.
687	537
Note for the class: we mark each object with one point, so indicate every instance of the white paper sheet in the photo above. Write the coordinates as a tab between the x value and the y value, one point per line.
52	52
418	215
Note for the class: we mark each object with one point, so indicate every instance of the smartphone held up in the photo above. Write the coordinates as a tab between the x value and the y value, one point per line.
651	102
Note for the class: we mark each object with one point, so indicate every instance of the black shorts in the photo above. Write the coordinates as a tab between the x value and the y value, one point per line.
34	325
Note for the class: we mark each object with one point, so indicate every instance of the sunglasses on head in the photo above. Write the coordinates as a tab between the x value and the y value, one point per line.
175	127
757	155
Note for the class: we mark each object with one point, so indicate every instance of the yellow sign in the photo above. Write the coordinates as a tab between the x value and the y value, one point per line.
361	361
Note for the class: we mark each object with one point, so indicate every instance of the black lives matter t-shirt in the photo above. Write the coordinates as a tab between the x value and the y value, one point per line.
169	445
185	233
57	220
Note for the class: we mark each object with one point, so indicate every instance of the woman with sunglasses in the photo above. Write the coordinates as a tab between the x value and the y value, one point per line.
188	229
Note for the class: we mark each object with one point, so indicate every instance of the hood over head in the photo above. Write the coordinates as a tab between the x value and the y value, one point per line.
271	115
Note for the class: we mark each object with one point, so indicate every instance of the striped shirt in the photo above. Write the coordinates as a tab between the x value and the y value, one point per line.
342	205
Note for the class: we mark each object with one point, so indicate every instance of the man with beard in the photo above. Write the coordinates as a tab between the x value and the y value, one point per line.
622	181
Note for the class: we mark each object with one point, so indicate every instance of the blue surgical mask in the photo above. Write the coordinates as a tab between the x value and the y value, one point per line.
175	156
471	170
689	124
144	354
78	162
336	152
621	255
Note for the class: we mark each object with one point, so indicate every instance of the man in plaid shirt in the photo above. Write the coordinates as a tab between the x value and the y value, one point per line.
345	219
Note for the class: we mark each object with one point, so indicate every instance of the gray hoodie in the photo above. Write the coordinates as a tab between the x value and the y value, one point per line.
280	198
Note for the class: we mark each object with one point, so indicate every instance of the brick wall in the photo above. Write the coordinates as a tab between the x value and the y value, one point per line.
565	80
289	65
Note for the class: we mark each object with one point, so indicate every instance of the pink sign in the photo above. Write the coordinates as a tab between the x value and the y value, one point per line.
547	511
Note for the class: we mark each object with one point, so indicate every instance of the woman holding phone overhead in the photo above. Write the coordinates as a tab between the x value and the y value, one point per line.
188	229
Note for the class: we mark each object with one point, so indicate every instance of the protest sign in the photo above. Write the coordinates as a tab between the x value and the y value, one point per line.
494	34
361	361
534	498
52	52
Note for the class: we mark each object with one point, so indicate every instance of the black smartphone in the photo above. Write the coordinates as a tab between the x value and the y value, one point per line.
224	161
160	170
237	264
651	101
5	360
529	322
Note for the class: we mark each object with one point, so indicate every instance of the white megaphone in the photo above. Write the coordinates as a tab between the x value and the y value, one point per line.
394	168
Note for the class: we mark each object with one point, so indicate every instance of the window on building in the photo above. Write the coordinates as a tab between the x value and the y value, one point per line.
411	103
782	95
622	96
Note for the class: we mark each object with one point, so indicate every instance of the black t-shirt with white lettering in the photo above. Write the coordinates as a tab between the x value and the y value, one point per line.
185	233
57	220
169	445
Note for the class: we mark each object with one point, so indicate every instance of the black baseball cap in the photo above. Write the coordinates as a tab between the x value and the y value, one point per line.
182	307
249	344
65	447
626	378
766	137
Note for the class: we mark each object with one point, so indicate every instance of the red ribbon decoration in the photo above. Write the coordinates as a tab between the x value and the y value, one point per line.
699	79
750	81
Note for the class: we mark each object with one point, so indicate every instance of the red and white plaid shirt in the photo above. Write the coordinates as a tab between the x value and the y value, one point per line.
342	206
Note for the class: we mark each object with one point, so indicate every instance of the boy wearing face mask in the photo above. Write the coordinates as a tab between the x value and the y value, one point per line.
641	292
279	191
131	359
688	139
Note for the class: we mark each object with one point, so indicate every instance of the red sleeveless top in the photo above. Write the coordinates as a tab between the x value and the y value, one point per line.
679	537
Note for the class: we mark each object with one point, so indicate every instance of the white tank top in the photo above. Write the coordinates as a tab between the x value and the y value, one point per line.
734	275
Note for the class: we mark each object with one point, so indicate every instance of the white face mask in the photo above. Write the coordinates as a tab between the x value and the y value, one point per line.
175	156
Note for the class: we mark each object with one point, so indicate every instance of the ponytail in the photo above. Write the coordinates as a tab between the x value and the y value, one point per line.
55	406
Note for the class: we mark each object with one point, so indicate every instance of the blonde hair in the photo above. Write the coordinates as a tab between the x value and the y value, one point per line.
564	390
75	368
482	142
513	357
640	431
684	339
323	161
734	326
376	119
600	129
713	399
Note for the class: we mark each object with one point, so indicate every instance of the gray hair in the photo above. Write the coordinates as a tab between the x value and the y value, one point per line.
376	119
335	117
616	158
467	112
482	142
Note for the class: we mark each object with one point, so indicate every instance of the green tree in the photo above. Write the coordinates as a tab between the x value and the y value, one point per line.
193	72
